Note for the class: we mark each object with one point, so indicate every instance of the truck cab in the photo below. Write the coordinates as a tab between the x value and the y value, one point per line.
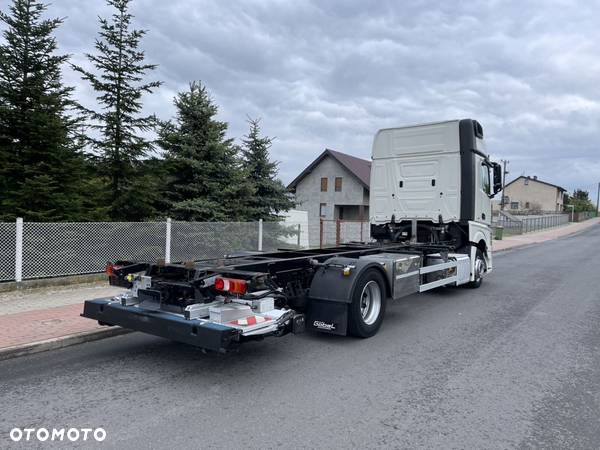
438	177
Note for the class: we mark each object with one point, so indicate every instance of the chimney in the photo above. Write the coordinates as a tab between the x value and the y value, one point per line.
535	177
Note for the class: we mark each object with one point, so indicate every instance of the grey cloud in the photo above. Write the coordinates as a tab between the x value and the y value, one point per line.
330	73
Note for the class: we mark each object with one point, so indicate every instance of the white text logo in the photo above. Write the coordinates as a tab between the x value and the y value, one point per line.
57	434
323	325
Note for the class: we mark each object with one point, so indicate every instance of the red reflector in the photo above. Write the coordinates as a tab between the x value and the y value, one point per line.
110	269
231	285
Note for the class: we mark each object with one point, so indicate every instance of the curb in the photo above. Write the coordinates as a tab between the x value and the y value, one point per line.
9	286
518	246
60	342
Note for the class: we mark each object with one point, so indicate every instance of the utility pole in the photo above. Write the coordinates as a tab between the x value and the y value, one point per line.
504	172
572	211
598	200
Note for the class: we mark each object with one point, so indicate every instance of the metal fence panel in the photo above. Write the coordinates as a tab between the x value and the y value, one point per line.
336	232
328	233
58	249
53	249
203	240
7	250
284	235
527	224
354	231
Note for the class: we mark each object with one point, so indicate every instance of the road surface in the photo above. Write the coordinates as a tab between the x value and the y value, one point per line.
514	364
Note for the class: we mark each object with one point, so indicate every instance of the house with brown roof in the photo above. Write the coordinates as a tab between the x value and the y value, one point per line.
527	194
334	186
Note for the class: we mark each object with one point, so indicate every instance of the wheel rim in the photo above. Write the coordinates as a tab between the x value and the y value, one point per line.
370	302
479	268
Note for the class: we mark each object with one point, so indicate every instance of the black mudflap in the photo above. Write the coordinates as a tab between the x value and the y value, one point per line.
328	317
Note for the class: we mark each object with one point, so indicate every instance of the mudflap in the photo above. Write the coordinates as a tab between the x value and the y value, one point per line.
331	293
328	316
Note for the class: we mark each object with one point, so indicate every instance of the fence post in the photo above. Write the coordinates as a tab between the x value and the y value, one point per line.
19	251
168	242
337	232
320	233
260	235
299	230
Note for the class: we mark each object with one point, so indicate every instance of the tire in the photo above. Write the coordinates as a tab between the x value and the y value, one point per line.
367	308
480	269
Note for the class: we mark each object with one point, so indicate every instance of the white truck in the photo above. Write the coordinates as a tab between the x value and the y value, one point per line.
430	194
438	177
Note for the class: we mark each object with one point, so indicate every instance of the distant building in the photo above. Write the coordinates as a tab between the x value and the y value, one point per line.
334	186
532	195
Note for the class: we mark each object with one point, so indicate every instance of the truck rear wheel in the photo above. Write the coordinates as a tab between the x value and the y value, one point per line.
368	304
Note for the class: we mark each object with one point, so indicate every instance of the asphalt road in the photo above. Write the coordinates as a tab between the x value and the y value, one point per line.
514	364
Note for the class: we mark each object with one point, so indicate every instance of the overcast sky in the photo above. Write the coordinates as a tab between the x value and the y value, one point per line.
330	73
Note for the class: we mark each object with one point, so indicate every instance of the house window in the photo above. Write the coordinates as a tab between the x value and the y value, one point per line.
526	205
506	200
323	209
338	184
514	205
323	184
526	181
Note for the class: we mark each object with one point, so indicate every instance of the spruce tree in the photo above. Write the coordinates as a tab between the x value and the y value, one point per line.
204	181
270	197
41	164
119	82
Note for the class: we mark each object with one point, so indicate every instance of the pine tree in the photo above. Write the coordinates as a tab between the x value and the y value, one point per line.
270	197
204	181
119	81
41	165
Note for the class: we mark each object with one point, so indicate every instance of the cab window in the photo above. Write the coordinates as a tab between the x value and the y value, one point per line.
485	179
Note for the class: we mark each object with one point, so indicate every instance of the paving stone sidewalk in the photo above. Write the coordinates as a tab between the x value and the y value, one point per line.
541	236
37	315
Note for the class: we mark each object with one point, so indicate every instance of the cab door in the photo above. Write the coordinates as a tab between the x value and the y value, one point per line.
483	190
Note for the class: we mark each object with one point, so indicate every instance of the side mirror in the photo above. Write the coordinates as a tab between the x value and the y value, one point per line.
497	177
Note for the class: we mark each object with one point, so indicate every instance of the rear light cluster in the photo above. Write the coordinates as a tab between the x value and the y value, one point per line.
110	269
231	285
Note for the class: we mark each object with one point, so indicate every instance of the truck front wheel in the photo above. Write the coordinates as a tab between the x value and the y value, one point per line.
368	304
480	267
